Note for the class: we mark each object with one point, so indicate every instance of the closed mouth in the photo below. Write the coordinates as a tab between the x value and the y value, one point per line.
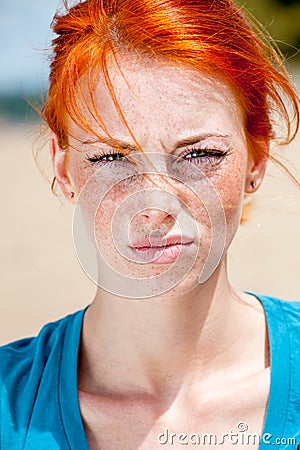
146	243
144	249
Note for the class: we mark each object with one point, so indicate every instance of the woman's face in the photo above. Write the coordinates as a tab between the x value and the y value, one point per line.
188	185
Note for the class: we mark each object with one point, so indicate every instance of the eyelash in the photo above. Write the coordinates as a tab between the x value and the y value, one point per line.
211	156
98	157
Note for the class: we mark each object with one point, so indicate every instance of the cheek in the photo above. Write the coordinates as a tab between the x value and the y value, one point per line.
231	192
105	213
207	203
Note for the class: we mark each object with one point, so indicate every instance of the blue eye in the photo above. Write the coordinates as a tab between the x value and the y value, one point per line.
203	156
103	157
193	156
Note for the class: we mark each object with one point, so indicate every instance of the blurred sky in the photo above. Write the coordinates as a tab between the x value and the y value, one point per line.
24	36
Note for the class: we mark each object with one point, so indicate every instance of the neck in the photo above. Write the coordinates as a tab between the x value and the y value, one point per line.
131	345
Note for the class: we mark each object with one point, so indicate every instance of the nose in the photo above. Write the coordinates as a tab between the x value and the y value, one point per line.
158	208
156	216
152	222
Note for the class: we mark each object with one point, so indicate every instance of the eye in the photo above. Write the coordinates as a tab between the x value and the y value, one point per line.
204	156
106	158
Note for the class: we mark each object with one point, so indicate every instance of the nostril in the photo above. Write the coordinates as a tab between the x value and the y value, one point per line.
154	223
155	213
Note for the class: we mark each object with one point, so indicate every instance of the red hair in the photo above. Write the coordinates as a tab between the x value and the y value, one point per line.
203	34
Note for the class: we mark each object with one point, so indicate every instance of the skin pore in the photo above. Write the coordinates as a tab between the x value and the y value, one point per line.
195	358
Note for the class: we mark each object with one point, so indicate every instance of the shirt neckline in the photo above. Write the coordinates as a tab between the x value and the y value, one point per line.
277	404
279	345
67	385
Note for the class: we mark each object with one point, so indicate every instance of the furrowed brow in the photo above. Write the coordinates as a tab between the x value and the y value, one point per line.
119	144
114	143
198	138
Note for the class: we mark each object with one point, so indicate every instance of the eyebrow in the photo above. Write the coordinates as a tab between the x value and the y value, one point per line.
116	143
198	138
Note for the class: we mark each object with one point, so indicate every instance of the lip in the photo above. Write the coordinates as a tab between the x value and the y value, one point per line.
147	242
161	250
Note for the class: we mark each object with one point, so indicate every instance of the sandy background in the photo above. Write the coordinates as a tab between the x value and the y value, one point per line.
41	279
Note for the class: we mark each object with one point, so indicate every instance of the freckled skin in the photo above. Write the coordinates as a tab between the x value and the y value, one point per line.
197	358
162	105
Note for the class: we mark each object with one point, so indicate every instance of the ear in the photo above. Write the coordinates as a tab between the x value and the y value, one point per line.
59	158
257	167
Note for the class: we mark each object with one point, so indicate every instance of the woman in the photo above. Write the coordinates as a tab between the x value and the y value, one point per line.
161	114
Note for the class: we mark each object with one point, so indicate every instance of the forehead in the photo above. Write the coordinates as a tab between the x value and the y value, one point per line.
160	99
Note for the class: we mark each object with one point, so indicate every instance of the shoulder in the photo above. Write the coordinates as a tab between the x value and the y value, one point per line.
30	357
29	377
280	313
275	303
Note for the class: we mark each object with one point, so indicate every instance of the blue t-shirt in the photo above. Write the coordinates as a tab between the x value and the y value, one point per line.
38	379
